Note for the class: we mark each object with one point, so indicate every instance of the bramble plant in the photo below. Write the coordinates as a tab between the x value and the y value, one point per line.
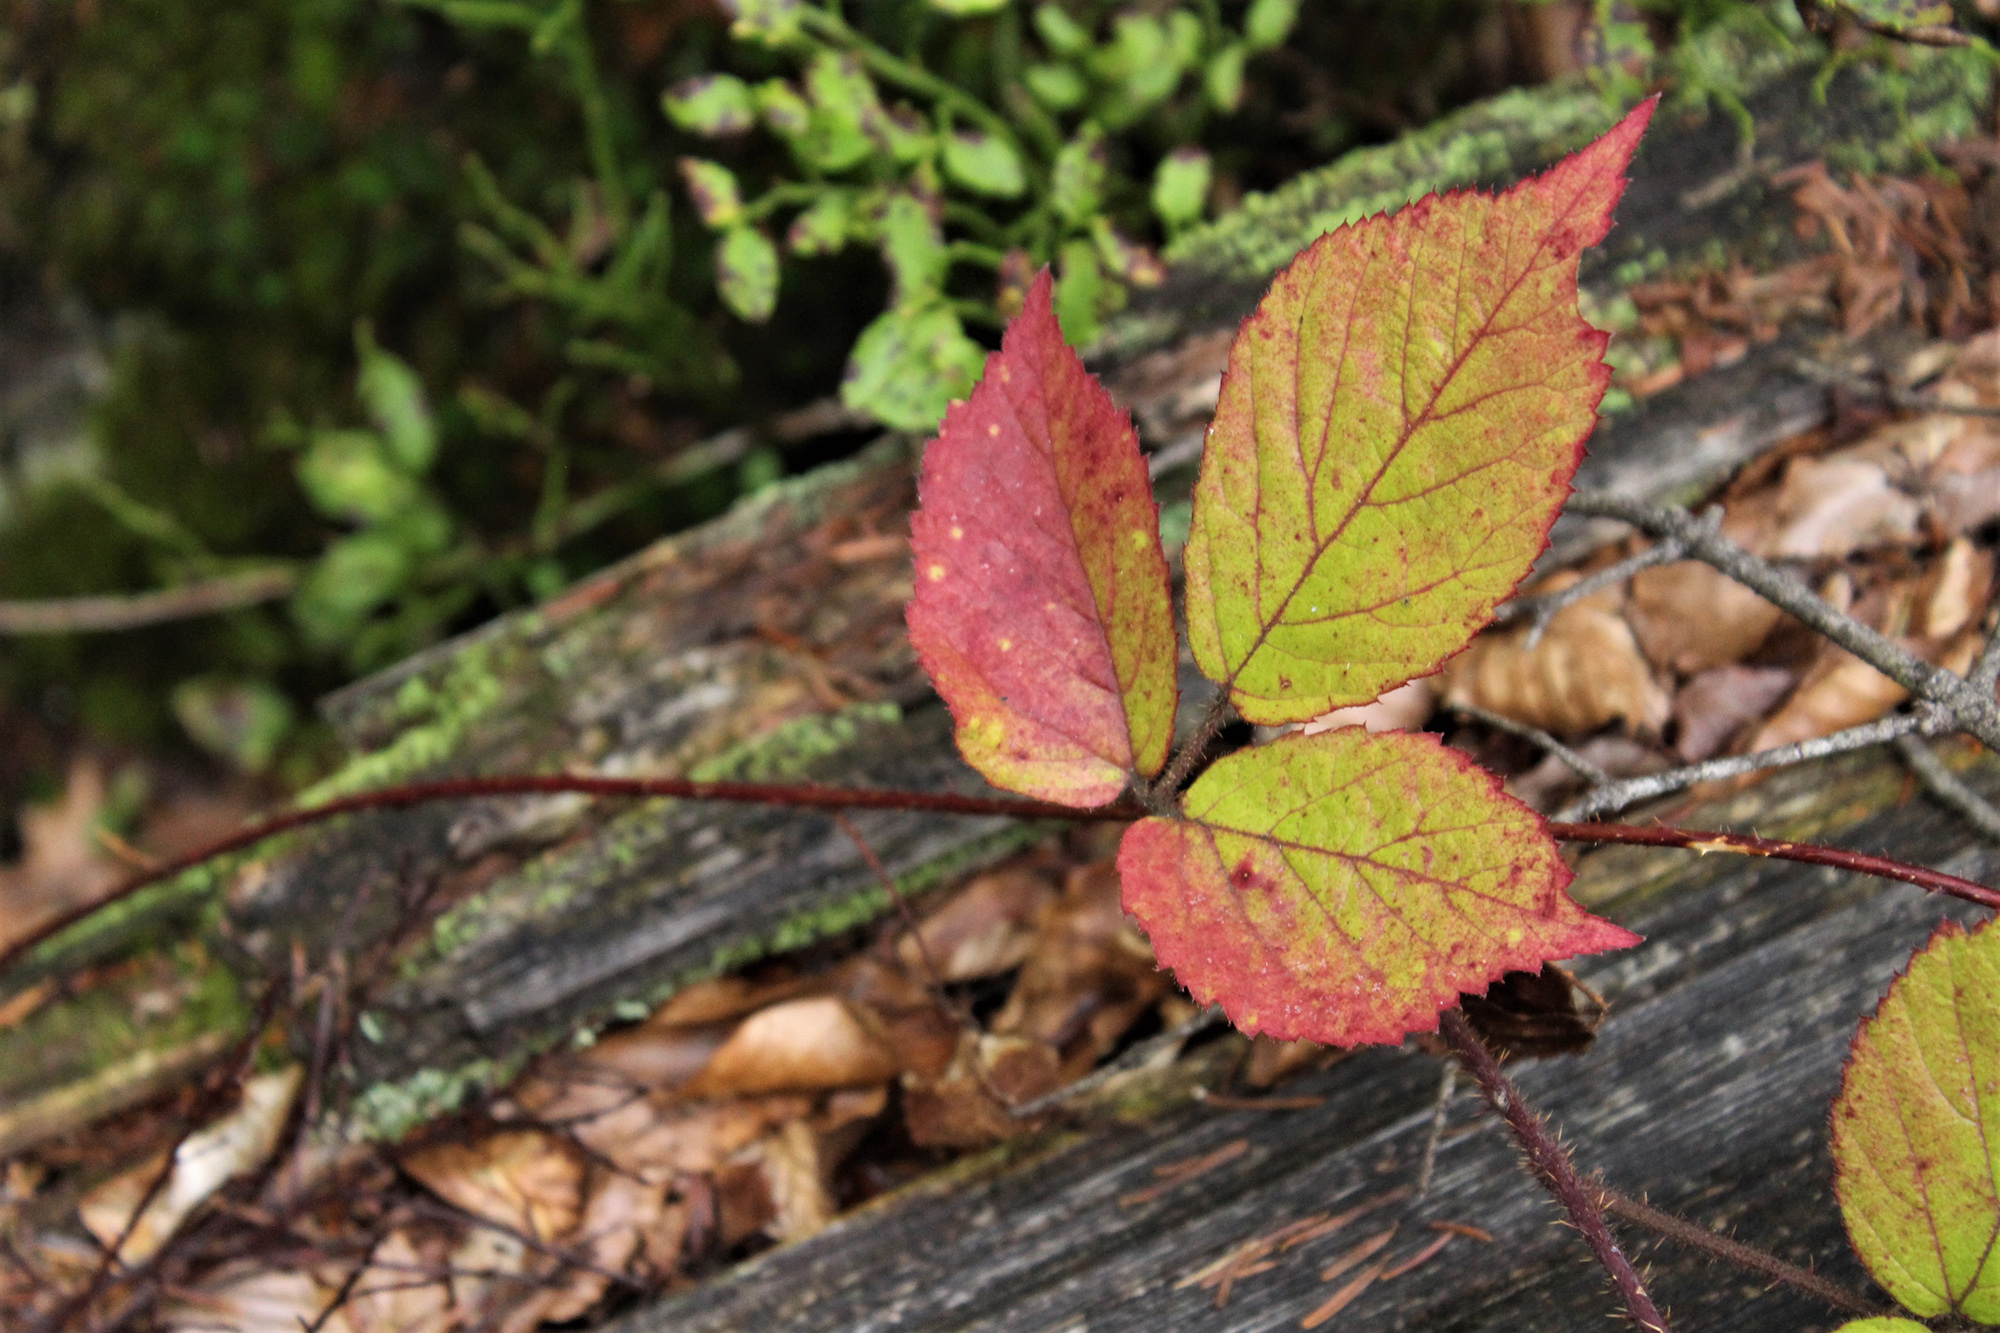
1397	430
892	155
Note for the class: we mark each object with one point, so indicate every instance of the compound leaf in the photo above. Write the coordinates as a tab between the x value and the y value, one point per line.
1041	609
1914	1129
1397	431
1345	887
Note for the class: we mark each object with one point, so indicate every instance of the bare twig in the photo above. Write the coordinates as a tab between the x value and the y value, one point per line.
1447	1084
1617	795
1973	712
1552	1166
933	974
1761	1262
1545	606
1582	767
1948	788
96	615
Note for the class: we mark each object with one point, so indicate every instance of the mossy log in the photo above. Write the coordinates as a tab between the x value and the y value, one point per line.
770	643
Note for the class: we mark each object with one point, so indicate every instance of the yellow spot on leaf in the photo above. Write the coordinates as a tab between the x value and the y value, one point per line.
958	534
1006	645
936	572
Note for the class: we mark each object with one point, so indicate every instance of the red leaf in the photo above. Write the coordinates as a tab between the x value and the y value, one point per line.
1345	887
1041	608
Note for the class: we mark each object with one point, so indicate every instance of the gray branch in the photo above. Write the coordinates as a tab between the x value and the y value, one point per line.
1618	795
93	615
1582	767
1973	711
1544	607
1949	789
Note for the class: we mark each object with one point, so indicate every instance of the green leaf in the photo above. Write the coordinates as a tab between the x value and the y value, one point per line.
356	575
1083	295
904	133
348	475
712	186
1269	22
1397	430
773	22
1345	887
1900	15
844	104
909	364
746	273
1059	32
913	248
1180	187
1884	1325
1057	87
241	720
786	114
823	226
393	397
1915	1129
1076	179
1039	576
1184	39
968	8
1224	77
984	163
711	104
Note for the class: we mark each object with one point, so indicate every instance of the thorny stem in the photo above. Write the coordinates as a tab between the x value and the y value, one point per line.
1552	1166
1761	1262
1743	844
812	796
1977	714
1169	783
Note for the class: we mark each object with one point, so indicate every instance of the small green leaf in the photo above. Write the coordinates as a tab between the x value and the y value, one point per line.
712	186
984	163
904	133
1269	22
913	248
1224	77
711	104
1397	430
1915	1129
1059	32
1900	15
1345	887
394	399
1076	180
844	104
1140	60
1180	187
347	474
773	22
1083	295
968	8
1184	39
786	114
746	273
1882	1325
241	720
823	226
1057	87
909	364
1039	576
356	575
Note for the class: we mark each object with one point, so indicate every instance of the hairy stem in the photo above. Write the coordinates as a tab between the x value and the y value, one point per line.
1749	1257
1551	1165
1743	844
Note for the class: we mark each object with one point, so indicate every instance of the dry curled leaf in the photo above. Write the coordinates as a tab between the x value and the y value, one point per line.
1586	671
527	1180
1690	617
984	929
800	1045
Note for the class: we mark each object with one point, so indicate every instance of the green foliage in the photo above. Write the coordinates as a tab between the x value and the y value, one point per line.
965	144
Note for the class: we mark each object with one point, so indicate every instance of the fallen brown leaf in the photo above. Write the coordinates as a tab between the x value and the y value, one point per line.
244	1298
1715	705
798	1045
400	1292
983	929
527	1180
1690	618
1585	672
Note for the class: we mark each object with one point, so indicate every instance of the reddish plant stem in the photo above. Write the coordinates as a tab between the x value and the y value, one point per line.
816	797
1742	844
1551	1165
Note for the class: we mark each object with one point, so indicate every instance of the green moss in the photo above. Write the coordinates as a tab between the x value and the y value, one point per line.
787	750
387	1111
440	715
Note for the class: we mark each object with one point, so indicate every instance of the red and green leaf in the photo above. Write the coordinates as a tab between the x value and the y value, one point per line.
1042	609
1346	887
1397	430
1916	1129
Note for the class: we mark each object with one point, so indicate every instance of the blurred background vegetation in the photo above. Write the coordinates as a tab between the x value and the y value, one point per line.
417	311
